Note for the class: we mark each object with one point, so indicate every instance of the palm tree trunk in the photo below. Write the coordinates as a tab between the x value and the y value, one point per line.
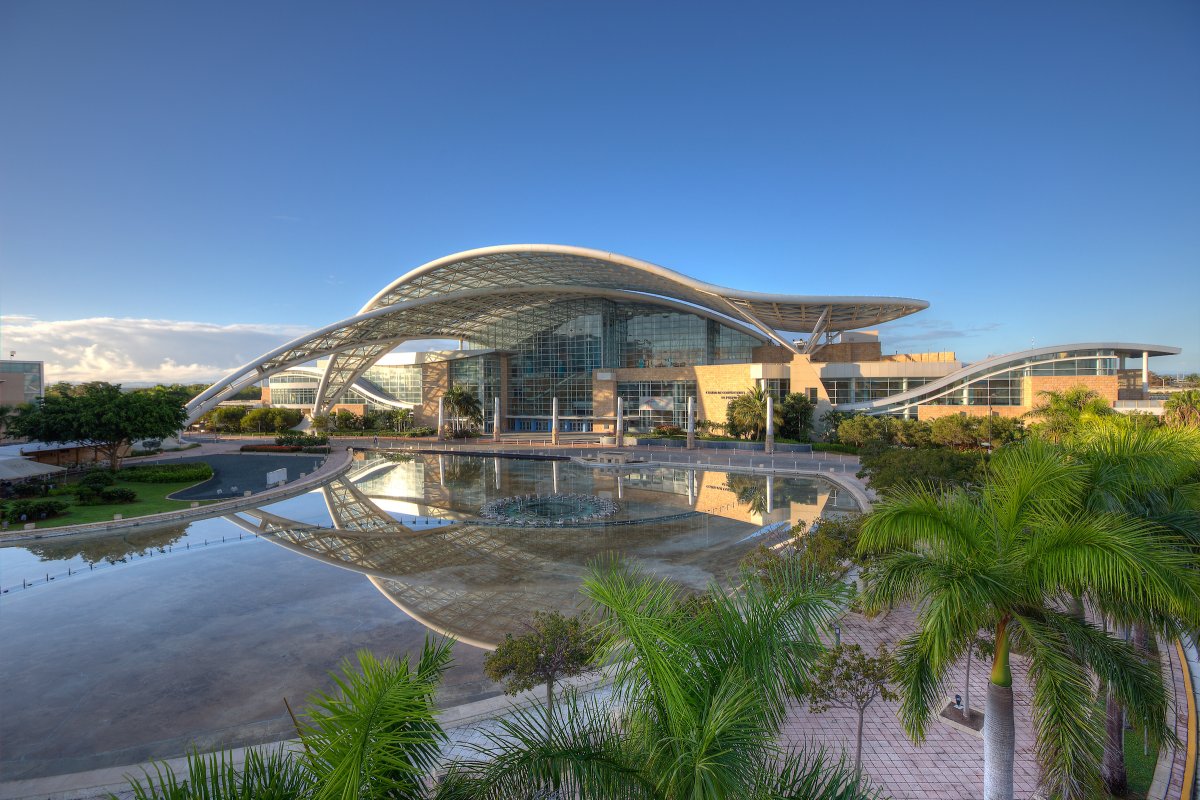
999	731
999	743
1112	768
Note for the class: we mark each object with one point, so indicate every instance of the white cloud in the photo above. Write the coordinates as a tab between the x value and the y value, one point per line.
135	351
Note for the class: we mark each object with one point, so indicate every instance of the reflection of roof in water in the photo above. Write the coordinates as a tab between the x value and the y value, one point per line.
479	581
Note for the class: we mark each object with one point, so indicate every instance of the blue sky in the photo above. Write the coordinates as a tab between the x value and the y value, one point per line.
236	173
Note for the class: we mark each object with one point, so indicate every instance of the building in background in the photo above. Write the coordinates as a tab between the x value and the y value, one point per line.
21	382
540	323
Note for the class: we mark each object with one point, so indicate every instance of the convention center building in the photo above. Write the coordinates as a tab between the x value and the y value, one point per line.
542	325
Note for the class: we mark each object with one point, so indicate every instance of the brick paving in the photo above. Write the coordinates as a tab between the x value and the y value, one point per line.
949	764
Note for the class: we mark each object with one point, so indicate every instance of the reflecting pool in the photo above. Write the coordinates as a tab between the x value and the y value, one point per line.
158	639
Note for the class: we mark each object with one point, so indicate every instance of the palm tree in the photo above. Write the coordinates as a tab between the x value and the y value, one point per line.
1182	409
378	736
1057	415
1005	559
701	686
462	404
748	412
1147	473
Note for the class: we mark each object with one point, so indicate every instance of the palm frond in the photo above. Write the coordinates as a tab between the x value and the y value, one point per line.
586	755
377	735
810	774
264	775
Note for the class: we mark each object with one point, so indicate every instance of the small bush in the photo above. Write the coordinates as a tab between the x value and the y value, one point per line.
118	494
667	430
301	439
271	448
416	432
323	451
168	473
33	510
97	479
27	490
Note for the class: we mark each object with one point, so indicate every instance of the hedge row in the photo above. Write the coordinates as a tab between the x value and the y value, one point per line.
19	511
168	473
271	448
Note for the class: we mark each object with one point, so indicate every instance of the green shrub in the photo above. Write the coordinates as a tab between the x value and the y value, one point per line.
168	473
33	510
827	447
97	479
27	489
324	451
301	439
270	448
118	494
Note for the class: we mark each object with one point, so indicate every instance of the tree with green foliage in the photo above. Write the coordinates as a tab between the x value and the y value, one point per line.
271	420
1152	473
746	415
344	420
911	433
226	419
960	431
862	429
7	415
703	690
1002	559
463	406
552	648
795	417
101	415
1182	409
940	467
378	736
1058	415
846	677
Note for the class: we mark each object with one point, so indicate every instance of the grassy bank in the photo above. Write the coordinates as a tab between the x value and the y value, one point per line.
151	499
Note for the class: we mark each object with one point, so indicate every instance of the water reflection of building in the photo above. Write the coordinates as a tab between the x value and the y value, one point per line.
412	528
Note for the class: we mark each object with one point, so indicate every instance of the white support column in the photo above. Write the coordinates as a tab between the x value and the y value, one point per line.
1145	375
554	422
441	470
554	475
620	432
496	467
691	484
496	419
441	416
770	494
620	486
691	424
769	447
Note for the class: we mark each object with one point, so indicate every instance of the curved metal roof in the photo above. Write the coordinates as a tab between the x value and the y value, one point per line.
521	288
994	365
565	266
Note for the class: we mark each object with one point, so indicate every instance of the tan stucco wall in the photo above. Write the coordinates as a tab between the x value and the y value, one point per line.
1105	385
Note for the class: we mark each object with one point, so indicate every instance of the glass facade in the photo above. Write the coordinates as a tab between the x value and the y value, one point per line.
557	360
857	390
28	374
651	403
481	376
1001	385
777	387
401	381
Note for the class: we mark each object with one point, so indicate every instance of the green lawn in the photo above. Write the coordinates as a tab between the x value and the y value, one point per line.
1139	768
152	499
